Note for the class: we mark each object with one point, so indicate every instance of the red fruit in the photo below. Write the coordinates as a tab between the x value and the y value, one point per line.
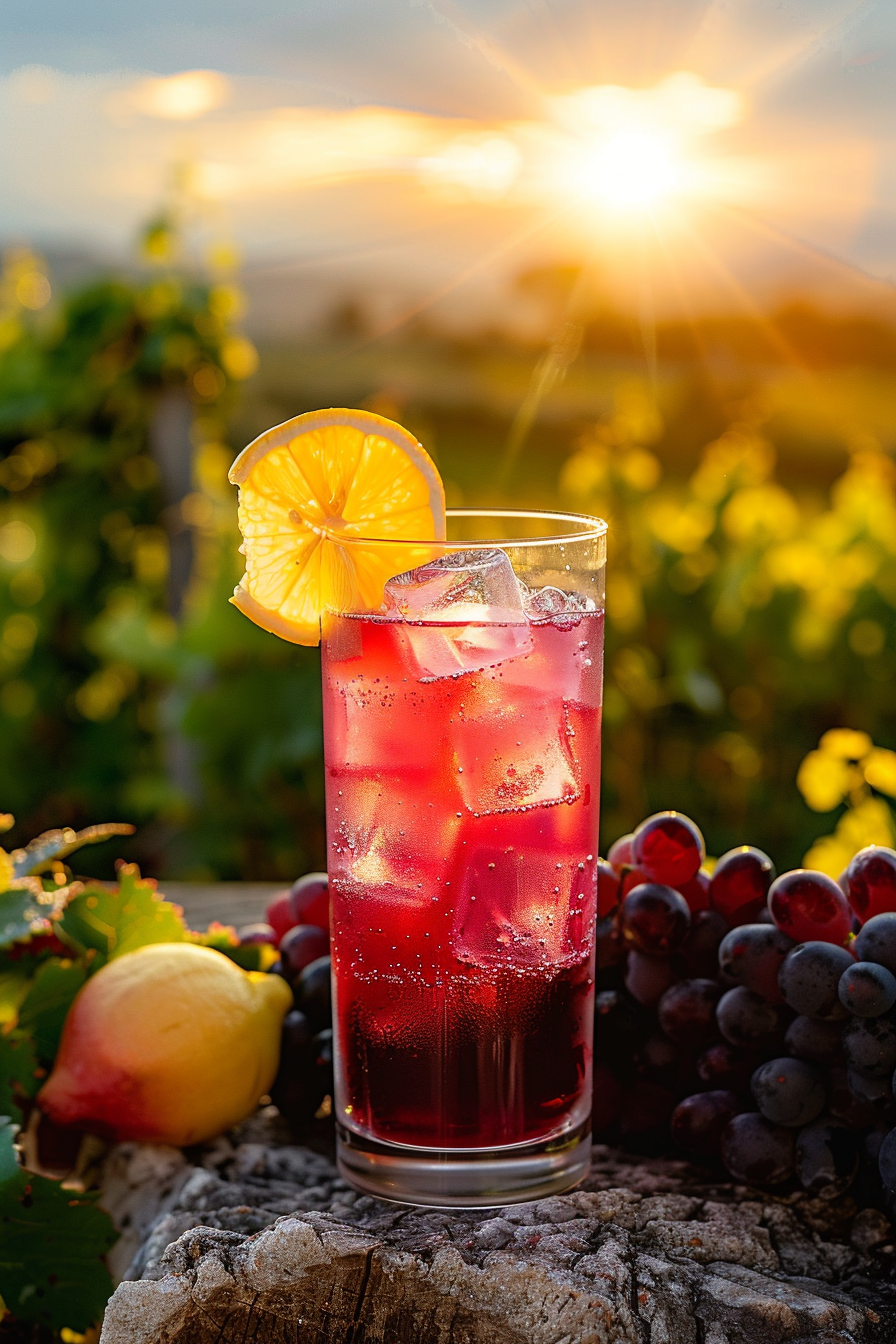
310	900
631	878
608	893
654	919
809	907
696	891
302	945
740	883
279	914
668	847
619	855
871	878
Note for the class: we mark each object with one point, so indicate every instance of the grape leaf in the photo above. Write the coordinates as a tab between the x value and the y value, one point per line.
112	921
18	1073
20	912
45	849
44	1008
52	1242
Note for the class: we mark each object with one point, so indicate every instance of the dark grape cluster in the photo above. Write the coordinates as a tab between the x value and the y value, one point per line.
299	928
740	1017
748	1018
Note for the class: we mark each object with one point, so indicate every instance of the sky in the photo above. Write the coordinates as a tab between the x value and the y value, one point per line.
432	149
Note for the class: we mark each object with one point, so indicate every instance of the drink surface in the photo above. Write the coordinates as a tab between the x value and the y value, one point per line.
462	779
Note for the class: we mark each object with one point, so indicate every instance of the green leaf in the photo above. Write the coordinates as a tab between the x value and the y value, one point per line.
19	912
14	980
44	1009
18	1073
113	921
52	845
52	1242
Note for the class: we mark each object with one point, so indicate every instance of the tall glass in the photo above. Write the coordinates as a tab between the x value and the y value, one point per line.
462	754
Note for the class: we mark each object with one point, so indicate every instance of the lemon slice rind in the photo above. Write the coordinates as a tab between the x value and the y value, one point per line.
334	567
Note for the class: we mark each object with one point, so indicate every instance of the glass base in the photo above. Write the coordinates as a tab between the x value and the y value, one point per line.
465	1177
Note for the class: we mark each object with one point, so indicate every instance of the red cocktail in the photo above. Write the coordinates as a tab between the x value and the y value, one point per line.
462	743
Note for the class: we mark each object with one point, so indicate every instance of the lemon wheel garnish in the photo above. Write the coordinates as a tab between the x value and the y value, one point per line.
321	498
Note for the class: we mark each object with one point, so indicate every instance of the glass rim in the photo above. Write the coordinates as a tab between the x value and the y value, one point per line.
589	528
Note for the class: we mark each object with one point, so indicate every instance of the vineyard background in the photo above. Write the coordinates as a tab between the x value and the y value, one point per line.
745	467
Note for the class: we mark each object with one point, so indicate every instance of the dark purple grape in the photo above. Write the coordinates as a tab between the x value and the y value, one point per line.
312	993
322	1052
251	935
810	977
654	919
867	990
610	951
872	881
788	1091
620	1026
668	847
827	1157
740	883
752	955
809	907
687	1012
877	941
302	945
886	1160
810	1038
698	1122
843	1104
722	1066
868	1089
747	1019
756	1151
870	1046
276	968
700	950
297	1090
648	978
659	1060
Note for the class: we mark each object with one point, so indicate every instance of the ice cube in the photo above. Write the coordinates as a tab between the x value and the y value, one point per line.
553	604
469	606
385	831
514	749
523	907
483	578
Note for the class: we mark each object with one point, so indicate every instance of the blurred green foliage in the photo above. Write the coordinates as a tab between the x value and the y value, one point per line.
751	581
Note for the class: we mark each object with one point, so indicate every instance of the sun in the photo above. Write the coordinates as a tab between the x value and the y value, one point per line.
633	169
634	151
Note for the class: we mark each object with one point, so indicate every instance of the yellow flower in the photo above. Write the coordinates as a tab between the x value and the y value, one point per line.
6	871
823	780
879	769
869	823
847	744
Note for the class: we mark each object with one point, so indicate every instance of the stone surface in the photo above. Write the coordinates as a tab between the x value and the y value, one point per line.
260	1240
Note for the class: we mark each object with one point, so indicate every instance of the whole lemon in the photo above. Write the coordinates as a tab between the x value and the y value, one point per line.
172	1044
